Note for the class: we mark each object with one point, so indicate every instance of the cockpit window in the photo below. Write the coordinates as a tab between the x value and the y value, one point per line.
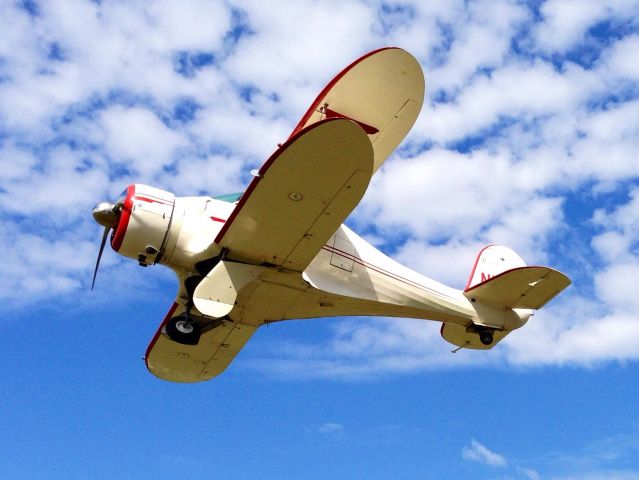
229	197
122	197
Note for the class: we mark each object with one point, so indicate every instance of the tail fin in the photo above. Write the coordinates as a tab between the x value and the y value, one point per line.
491	261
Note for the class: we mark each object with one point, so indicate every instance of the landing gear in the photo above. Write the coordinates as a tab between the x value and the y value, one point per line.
182	329
486	337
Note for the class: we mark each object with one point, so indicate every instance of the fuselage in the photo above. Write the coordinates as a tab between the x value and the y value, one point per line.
348	276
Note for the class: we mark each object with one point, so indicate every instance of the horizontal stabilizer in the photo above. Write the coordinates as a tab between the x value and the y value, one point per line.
524	287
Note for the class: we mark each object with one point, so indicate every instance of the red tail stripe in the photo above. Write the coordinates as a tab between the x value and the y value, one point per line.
472	272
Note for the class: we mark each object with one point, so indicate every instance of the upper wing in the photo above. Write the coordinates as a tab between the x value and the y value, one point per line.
216	349
301	196
383	91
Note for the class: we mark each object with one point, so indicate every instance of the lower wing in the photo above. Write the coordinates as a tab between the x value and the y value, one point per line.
214	352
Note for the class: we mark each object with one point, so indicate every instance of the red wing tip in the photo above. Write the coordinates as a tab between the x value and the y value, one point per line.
330	85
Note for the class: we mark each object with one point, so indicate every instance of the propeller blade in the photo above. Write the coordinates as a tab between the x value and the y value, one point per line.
97	263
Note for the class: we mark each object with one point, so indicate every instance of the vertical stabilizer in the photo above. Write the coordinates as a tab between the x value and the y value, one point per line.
491	261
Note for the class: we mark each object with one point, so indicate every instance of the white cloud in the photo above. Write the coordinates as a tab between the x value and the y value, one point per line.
596	460
616	285
16	163
215	174
529	473
137	138
37	265
331	428
584	340
482	36
450	262
58	185
611	246
179	26
621	59
609	140
360	349
476	198
624	218
521	90
286	52
566	22
479	453
603	474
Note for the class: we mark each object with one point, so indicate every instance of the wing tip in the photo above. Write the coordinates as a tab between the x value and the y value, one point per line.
157	334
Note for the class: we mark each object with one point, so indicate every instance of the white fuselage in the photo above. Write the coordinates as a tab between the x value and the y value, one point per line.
348	276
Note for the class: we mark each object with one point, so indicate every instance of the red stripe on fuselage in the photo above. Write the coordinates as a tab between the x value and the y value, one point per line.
151	200
380	270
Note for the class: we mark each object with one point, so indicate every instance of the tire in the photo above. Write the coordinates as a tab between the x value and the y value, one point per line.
486	337
181	330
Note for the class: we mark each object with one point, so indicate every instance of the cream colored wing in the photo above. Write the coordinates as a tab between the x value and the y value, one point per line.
383	91
214	352
300	197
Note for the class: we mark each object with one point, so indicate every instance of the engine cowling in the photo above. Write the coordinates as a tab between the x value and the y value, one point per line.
143	224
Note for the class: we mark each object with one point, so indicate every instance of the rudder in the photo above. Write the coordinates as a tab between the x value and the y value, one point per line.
491	261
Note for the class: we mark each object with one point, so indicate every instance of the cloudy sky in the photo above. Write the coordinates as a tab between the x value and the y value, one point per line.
528	137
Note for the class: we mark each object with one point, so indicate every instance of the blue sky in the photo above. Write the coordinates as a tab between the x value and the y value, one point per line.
528	137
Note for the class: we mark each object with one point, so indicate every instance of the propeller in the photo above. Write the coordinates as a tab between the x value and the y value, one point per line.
107	215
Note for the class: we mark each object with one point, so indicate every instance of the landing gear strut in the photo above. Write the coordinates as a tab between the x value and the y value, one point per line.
486	337
182	329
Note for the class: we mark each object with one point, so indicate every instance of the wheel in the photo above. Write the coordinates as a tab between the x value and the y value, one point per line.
181	330
486	337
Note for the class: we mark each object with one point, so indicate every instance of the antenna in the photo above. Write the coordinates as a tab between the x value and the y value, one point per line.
459	348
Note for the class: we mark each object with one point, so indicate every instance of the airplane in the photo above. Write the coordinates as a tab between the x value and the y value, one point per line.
280	250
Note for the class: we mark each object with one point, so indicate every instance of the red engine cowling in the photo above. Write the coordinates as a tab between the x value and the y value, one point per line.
143	224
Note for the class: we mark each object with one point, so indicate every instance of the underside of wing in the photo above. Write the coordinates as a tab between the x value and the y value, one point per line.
300	197
216	349
382	91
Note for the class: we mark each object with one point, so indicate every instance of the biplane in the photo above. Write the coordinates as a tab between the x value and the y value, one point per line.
280	250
